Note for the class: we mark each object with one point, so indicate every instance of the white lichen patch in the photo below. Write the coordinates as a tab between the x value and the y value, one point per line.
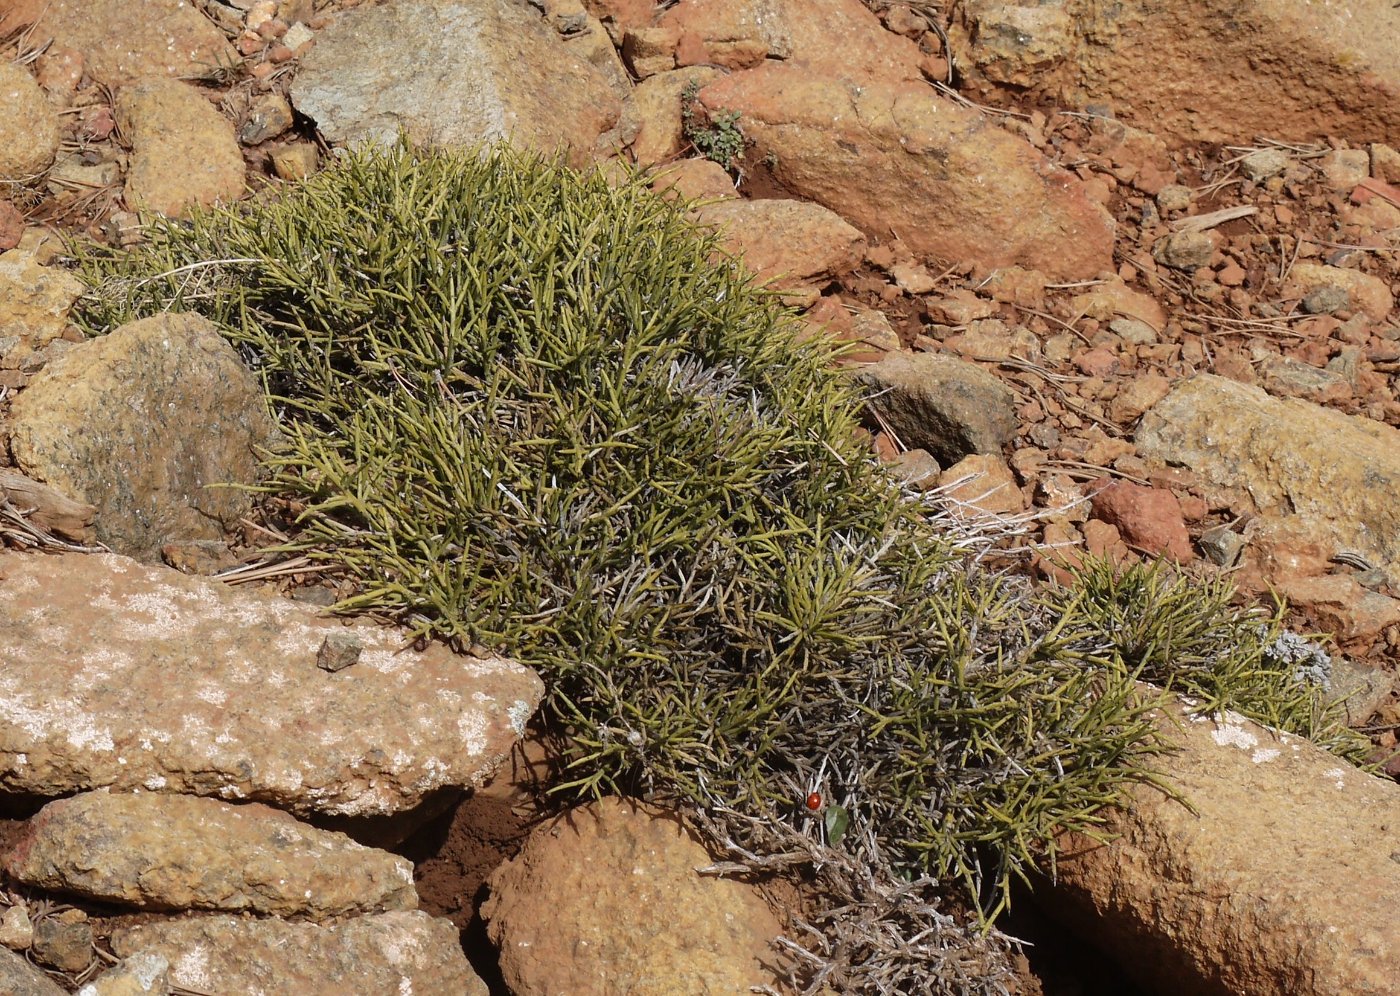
1336	773
1265	754
191	970
471	728
1228	734
519	713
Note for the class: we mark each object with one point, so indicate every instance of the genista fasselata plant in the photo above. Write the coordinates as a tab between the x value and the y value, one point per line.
529	409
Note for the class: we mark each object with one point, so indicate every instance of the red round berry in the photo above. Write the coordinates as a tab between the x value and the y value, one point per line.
814	801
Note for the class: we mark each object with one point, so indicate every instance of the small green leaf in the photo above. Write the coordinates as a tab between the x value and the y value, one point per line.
837	821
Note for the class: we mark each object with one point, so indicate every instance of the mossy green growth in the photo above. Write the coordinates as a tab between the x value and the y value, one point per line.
718	137
532	410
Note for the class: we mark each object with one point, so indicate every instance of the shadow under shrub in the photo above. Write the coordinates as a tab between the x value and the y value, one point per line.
530	410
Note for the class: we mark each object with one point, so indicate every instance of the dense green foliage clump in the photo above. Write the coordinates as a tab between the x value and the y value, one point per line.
532	410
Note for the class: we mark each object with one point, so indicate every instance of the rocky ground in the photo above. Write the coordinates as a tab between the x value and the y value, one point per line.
1115	275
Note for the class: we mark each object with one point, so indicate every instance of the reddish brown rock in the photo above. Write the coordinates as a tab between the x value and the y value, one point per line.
180	852
1149	519
123	41
840	39
11	226
1301	70
1340	605
898	157
93	645
695	180
606	899
791	246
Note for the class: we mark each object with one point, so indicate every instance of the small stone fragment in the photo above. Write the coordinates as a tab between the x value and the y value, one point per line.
1385	163
1264	163
946	406
16	932
1343	169
338	651
1173	197
1149	519
1185	250
268	116
65	946
1366	292
1327	299
11	226
982	484
1222	545
295	162
145	973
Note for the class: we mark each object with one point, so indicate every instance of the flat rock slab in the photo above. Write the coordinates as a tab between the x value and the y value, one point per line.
453	73
1281	883
1334	476
122	675
405	953
159	851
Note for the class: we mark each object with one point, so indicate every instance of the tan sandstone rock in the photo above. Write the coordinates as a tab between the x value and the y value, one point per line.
792	246
144	678
1278	884
841	39
157	851
401	952
183	151
897	157
28	126
1193	71
606	900
452	73
655	107
34	299
122	41
149	424
1334	476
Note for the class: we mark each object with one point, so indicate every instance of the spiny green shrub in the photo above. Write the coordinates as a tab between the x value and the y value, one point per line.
534	411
